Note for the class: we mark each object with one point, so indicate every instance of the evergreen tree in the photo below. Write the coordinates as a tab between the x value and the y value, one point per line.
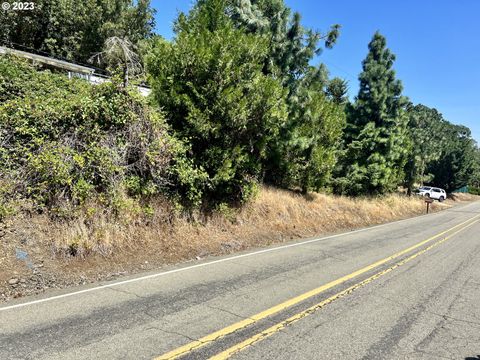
337	90
291	45
455	167
303	154
210	83
376	133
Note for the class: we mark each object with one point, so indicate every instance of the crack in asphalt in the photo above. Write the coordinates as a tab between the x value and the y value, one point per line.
171	332
405	323
228	312
116	289
444	316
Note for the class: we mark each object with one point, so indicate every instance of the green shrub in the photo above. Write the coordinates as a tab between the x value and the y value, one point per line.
210	83
473	190
66	141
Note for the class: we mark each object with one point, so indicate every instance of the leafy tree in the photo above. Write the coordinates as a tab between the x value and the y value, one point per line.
456	164
426	138
441	154
375	154
475	177
76	30
209	82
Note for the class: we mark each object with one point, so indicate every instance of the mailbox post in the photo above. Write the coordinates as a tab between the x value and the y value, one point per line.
428	201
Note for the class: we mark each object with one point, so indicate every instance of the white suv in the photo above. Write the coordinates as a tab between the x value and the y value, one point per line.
433	193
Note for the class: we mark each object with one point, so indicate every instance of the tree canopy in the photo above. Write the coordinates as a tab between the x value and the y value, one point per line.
76	30
209	82
376	131
240	96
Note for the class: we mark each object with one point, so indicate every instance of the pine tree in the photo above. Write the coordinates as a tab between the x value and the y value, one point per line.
337	90
455	167
291	45
376	132
304	153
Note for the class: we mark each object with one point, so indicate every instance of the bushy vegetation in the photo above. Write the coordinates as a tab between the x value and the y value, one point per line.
473	190
375	139
65	142
210	84
236	103
76	30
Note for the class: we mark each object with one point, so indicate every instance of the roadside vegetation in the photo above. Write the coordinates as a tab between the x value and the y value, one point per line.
39	252
236	106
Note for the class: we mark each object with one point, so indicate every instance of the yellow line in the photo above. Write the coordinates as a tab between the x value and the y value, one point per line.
194	345
277	327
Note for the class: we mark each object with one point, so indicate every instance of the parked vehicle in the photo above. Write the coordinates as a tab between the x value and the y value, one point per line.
432	192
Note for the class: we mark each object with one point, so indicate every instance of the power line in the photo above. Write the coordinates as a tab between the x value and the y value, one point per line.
349	75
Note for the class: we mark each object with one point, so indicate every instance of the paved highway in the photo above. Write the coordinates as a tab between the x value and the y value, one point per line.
404	290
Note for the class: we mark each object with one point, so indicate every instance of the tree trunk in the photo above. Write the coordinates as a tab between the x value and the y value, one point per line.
125	75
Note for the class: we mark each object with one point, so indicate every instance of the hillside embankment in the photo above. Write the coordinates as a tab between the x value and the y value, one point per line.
38	252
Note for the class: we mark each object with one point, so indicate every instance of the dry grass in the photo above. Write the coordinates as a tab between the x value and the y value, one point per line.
275	215
464	197
97	246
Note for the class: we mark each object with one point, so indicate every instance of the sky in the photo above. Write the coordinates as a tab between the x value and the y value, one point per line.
436	43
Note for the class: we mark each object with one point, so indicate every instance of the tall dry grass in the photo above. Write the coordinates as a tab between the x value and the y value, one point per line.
102	244
274	216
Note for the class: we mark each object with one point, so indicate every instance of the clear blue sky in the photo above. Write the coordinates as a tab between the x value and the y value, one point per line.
437	44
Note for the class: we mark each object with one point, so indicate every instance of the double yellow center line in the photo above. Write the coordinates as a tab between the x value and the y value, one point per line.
208	339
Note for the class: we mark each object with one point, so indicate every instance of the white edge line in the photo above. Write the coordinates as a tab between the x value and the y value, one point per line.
146	277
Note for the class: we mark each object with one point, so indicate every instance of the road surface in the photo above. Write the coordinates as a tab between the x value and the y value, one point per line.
404	290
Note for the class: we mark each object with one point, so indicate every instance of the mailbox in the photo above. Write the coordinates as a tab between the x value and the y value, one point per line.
428	201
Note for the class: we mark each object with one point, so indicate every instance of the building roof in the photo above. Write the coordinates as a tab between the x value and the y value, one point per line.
48	60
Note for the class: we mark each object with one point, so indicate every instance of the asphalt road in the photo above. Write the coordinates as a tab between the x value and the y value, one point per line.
405	290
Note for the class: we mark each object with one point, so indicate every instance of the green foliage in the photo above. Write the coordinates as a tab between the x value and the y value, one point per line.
440	154
307	152
210	84
7	198
235	102
426	139
474	190
475	176
376	132
226	211
76	30
458	159
291	46
304	152
337	90
66	141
